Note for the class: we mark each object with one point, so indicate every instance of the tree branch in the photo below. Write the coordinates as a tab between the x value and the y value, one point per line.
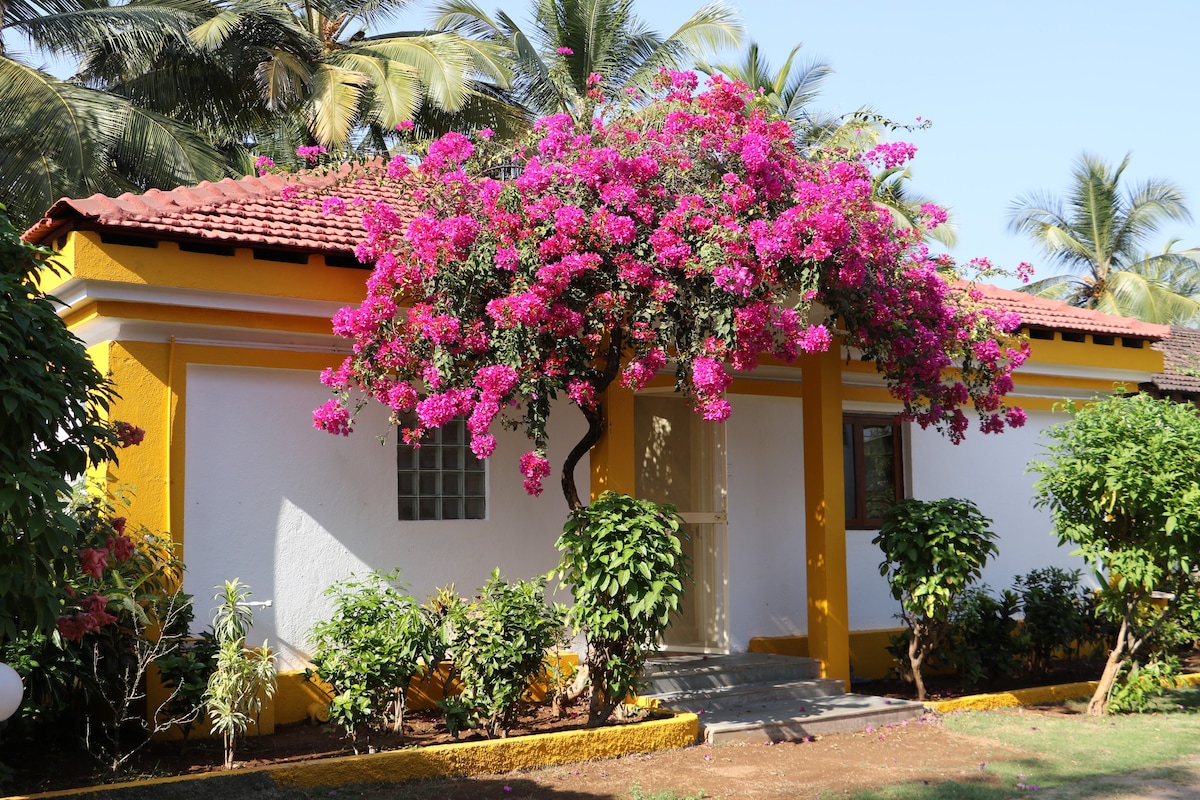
595	418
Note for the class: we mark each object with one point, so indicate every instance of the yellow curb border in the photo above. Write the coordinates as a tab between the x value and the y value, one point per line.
492	756
1028	697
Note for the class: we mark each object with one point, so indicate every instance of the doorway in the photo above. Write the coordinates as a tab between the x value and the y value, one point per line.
680	459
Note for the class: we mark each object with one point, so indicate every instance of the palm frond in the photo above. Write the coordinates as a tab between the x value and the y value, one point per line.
713	28
466	19
440	60
58	138
333	104
395	89
156	151
283	78
1132	294
140	24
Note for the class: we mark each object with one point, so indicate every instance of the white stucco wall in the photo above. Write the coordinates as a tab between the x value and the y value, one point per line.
767	585
290	509
988	469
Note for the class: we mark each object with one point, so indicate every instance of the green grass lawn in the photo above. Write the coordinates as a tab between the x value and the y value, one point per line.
1075	756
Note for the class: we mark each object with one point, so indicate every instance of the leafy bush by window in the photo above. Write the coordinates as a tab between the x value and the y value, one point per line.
376	642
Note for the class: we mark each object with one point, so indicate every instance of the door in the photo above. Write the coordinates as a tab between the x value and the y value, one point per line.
681	460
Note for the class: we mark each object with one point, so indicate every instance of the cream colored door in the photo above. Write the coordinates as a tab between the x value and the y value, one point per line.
681	460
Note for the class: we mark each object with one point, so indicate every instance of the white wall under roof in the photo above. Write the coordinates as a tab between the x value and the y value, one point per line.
767	586
290	509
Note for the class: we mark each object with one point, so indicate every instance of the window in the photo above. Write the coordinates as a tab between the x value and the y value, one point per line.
441	479
871	452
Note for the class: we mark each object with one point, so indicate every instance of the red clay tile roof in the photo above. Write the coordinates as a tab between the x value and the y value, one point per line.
1041	312
248	212
1181	355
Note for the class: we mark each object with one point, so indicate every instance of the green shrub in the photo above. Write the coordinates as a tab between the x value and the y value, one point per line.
1056	614
624	562
1138	684
376	642
1121	478
243	676
984	642
499	648
932	551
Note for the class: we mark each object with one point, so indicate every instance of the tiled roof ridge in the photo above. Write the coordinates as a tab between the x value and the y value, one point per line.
152	202
248	211
1044	312
1181	360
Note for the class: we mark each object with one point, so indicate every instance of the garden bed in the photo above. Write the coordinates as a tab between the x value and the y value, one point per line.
37	770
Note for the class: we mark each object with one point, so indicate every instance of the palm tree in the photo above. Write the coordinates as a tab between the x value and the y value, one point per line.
574	40
60	137
274	74
1098	234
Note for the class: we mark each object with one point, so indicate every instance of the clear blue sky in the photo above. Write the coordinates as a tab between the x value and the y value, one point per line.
1016	90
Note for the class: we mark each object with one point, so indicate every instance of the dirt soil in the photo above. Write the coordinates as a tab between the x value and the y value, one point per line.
829	765
919	751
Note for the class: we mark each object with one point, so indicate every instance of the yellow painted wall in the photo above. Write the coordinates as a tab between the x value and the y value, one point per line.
86	258
869	657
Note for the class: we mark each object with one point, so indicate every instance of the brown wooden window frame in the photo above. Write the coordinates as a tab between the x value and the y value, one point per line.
856	516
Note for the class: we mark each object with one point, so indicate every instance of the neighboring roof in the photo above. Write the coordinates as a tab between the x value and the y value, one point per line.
1042	312
248	212
1181	356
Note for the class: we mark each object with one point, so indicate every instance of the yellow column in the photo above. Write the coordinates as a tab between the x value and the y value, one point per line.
825	514
612	459
141	372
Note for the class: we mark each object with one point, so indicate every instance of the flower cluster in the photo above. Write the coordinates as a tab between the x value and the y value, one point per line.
91	609
113	570
688	231
128	435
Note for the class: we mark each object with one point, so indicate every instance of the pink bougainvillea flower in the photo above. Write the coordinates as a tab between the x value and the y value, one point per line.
691	226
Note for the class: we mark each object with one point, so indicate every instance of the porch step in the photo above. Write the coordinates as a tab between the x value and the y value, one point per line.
760	697
733	697
692	673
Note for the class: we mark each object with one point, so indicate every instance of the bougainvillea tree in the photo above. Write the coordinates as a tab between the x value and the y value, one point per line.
685	234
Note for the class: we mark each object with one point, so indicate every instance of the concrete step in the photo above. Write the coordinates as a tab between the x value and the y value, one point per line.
695	673
725	697
759	697
791	720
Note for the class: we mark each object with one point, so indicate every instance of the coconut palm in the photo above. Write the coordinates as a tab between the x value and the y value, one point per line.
60	137
1098	234
574	40
254	70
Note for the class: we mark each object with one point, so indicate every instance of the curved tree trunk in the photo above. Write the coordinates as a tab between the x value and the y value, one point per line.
1098	705
595	418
